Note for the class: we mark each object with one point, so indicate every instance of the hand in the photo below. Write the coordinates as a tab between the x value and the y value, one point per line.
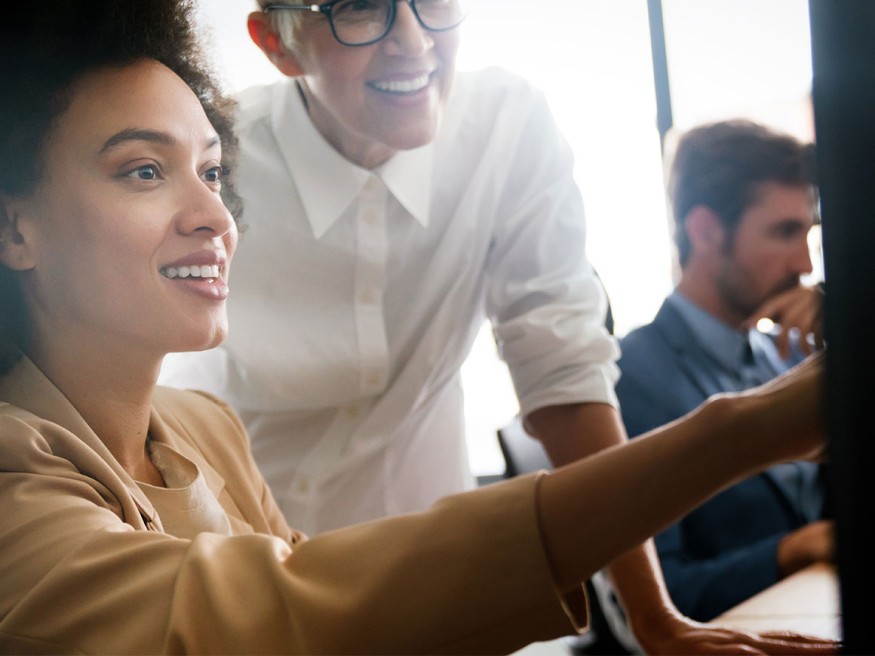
813	543
688	637
800	308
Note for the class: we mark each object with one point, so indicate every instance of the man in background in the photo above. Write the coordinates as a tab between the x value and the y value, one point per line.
743	200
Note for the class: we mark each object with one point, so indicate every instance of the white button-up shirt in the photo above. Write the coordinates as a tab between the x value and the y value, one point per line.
356	296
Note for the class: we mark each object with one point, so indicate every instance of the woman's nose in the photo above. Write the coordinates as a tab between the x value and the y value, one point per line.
407	37
203	211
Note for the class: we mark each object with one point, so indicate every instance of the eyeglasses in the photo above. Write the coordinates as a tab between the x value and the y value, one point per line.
363	22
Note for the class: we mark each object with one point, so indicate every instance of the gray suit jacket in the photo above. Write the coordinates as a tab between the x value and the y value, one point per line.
725	551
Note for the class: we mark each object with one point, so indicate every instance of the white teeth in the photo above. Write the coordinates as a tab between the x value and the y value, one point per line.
403	86
205	271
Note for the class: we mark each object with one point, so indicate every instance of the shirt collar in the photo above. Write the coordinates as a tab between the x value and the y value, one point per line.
327	182
723	343
27	387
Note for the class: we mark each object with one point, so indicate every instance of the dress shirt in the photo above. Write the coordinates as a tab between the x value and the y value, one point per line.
725	550
750	358
746	358
356	296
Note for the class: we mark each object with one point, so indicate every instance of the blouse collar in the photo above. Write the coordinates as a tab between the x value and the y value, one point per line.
327	182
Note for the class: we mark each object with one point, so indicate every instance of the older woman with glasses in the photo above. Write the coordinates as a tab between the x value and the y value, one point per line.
356	23
392	207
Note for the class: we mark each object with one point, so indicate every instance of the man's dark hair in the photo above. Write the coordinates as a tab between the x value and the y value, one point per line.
45	48
723	167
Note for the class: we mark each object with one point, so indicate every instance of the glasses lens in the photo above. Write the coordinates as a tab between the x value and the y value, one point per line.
360	21
440	14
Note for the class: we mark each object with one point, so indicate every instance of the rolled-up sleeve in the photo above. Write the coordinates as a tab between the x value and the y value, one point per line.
546	304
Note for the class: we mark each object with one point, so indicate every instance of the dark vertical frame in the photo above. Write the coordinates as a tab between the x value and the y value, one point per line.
659	59
843	52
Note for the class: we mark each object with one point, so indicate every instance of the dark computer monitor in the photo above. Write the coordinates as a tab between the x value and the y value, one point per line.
843	53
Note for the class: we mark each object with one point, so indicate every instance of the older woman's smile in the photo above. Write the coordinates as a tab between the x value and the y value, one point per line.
405	86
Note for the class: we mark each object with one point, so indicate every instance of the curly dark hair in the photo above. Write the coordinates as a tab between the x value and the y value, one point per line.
723	166
45	48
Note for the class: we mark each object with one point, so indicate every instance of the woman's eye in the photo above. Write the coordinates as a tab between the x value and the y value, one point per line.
213	174
145	172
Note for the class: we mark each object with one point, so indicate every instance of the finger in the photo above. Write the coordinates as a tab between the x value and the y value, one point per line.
806	318
721	638
810	367
795	302
785	642
818	337
728	648
776	307
782	343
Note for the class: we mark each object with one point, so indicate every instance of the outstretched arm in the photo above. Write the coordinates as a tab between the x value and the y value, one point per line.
646	474
477	573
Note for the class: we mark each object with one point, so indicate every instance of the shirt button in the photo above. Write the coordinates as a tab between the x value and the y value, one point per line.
369	296
370	216
374	378
373	183
303	486
352	411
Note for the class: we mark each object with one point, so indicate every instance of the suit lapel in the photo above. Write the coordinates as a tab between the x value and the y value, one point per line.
696	363
701	370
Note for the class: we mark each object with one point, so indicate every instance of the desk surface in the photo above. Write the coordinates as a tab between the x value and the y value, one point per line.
806	602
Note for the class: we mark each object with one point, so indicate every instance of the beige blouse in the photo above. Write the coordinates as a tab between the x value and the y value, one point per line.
87	565
186	506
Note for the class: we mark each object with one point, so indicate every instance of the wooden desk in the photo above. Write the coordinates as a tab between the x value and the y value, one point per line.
806	602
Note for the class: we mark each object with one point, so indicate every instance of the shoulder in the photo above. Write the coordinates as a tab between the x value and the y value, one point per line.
643	343
30	444
19	431
490	92
19	427
649	360
204	420
255	104
666	336
500	121
494	80
653	387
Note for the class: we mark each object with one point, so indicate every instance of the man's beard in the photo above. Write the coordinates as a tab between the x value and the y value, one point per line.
735	295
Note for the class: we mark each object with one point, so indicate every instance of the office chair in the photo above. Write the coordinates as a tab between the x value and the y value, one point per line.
522	452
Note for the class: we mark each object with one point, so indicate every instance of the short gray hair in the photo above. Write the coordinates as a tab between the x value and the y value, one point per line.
285	23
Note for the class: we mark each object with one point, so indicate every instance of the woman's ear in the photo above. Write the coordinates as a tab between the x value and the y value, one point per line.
262	34
16	249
